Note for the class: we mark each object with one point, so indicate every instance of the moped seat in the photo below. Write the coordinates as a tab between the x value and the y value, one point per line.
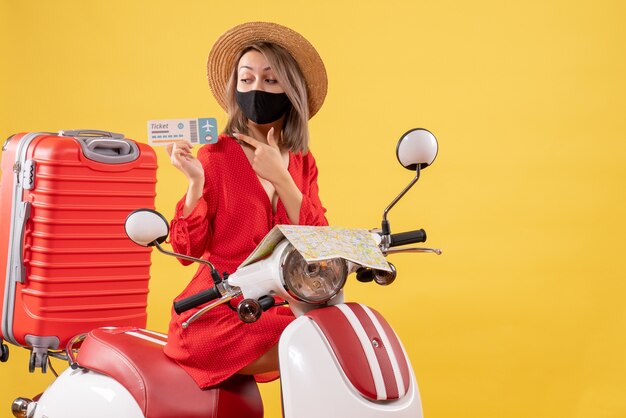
134	357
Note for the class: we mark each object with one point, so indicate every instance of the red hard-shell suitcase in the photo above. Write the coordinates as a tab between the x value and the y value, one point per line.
69	265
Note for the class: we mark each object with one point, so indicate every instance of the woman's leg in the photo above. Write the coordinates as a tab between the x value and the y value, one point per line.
268	362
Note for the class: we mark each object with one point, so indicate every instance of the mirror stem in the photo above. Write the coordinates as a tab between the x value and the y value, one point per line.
186	257
386	230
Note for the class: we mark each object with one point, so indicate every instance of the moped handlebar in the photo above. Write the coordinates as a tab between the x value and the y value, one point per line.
409	237
198	299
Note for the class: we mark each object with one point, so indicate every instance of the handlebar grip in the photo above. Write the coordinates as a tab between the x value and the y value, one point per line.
410	237
192	301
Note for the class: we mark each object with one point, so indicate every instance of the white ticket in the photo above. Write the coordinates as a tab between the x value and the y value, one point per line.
196	131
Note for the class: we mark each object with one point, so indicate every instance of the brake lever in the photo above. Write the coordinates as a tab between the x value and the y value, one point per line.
224	299
413	250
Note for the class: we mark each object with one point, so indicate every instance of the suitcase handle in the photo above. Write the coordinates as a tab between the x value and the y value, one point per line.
18	270
109	150
6	143
91	132
104	146
107	146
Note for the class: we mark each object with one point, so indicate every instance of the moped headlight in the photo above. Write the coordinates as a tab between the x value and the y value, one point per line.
315	282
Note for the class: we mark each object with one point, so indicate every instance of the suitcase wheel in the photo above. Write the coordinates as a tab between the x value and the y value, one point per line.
35	362
4	353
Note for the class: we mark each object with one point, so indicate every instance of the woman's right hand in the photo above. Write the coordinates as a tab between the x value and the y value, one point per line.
182	158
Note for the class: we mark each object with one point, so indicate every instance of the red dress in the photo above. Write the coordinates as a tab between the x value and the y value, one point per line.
225	226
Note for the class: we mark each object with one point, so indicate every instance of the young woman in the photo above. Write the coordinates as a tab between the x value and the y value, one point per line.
259	174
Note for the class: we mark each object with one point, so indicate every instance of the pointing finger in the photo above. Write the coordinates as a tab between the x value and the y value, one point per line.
271	140
247	139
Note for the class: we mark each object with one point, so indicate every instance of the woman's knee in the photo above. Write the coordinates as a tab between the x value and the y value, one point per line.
268	362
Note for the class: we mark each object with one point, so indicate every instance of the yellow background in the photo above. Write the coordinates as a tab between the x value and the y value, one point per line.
523	315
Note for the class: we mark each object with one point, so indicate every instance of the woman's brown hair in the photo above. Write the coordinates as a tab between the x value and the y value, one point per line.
295	135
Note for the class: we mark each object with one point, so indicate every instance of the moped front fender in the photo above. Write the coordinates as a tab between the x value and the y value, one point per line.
314	383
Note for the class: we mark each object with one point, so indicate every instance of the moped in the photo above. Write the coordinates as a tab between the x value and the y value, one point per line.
336	359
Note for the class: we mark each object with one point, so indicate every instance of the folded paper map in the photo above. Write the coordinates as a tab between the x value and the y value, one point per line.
323	242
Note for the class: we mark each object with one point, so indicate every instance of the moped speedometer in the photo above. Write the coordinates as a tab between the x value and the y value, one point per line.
315	282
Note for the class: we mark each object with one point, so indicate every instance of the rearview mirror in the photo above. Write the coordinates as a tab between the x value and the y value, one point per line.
417	148
146	227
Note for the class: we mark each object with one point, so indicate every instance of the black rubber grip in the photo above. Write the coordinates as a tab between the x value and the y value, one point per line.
196	300
410	237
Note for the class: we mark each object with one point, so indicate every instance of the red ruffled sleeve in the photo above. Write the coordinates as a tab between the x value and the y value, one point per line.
191	234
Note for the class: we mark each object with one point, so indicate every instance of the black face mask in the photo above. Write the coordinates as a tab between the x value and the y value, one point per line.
262	107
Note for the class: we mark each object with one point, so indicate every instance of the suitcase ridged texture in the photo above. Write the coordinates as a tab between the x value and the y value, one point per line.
81	270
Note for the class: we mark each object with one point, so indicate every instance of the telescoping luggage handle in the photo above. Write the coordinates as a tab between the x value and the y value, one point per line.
104	146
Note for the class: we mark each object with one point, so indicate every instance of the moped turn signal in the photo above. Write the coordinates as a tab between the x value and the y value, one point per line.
250	310
385	278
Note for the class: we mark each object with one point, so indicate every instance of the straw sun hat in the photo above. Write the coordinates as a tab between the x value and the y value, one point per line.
225	51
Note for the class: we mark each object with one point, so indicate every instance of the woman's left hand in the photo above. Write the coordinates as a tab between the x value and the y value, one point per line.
268	160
